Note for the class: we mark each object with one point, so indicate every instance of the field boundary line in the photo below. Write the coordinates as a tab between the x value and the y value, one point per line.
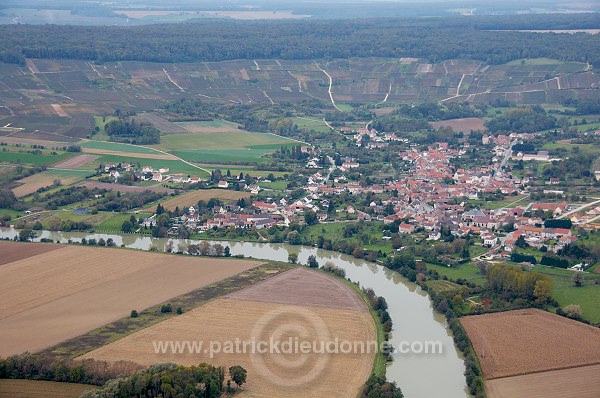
545	370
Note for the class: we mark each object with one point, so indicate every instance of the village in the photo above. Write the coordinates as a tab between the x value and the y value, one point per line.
434	198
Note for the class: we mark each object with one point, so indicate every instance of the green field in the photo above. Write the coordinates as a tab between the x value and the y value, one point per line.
565	291
114	223
223	155
229	140
344	107
117	146
311	124
28	158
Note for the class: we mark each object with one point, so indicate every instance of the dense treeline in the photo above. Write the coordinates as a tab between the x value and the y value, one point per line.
125	379
50	368
435	111
210	40
170	380
124	130
522	120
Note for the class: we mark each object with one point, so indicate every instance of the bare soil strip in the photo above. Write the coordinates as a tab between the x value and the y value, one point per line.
63	293
527	341
76	162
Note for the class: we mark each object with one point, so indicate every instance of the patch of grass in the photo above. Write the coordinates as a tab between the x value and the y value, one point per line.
466	271
276	185
344	107
442	286
114	223
311	124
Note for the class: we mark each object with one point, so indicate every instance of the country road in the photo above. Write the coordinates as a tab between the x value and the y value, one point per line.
330	86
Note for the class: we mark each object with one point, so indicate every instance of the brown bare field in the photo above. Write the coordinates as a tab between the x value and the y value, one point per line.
463	125
270	374
63	293
318	290
191	198
76	162
157	155
41	389
527	341
579	382
34	182
124	188
13	251
59	110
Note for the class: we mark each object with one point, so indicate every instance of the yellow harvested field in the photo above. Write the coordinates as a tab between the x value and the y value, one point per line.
50	297
526	341
41	389
278	316
34	182
191	198
582	382
162	156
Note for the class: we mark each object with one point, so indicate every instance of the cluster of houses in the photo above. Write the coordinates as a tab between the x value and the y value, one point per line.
146	173
371	138
259	215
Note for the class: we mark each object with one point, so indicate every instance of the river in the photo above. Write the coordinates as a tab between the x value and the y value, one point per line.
419	375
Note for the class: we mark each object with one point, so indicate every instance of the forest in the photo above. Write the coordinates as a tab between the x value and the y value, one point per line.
481	38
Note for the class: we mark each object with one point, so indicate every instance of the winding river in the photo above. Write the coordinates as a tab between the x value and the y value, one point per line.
419	375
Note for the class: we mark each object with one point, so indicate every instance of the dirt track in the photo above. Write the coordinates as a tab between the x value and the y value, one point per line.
63	293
